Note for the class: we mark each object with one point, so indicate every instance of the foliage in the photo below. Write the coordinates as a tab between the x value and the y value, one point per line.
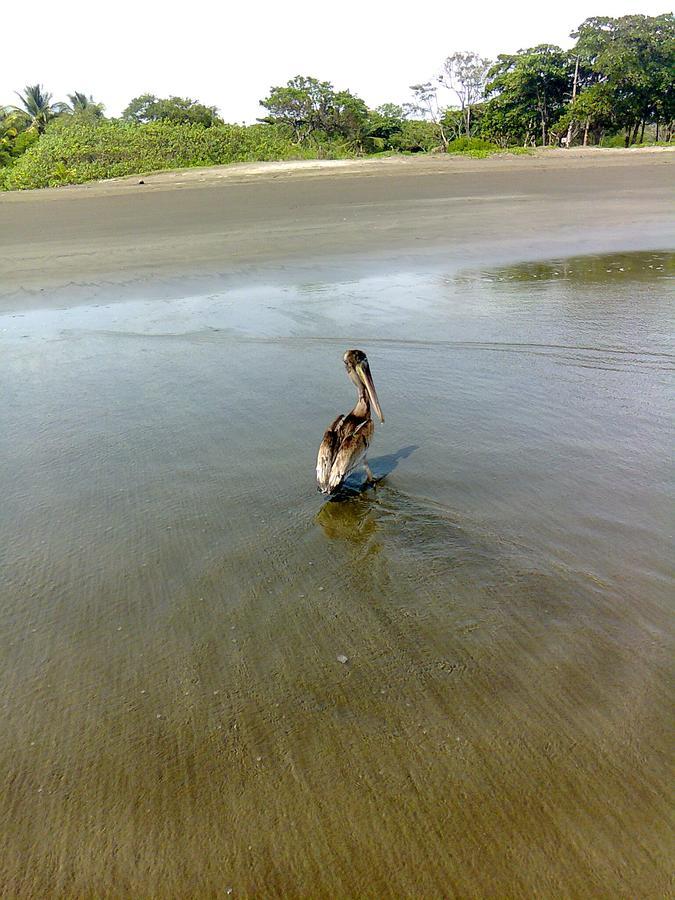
633	57
391	111
466	74
384	123
470	144
593	107
37	107
454	122
350	120
72	153
426	104
84	108
23	141
308	107
530	89
615	86
179	110
8	133
416	136
619	75
15	136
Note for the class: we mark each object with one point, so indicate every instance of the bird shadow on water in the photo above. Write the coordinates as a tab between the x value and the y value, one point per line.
380	466
448	552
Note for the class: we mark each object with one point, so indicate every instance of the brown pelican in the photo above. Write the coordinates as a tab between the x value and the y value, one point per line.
344	445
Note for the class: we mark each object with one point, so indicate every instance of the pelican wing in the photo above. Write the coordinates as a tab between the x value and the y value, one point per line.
350	453
327	453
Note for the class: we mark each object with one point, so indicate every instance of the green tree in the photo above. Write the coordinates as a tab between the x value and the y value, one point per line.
37	107
349	119
8	134
141	110
454	122
85	108
309	107
15	136
383	124
415	136
634	58
179	110
391	111
529	91
298	105
591	112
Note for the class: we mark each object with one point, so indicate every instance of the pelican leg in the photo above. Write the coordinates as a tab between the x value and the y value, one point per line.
369	474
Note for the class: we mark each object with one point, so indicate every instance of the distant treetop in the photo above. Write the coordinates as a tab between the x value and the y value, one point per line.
181	110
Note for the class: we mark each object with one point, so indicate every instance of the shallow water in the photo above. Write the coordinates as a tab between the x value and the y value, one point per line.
176	597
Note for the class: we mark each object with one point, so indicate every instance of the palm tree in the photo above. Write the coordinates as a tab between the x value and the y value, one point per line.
12	121
37	105
16	135
8	132
85	106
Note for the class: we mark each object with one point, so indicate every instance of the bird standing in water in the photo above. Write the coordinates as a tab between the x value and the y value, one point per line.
346	442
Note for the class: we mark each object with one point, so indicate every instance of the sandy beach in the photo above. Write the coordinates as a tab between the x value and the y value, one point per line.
455	684
247	220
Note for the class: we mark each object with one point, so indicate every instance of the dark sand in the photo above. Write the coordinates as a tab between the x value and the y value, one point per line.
351	217
176	602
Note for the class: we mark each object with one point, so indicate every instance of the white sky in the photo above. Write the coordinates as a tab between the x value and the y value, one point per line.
229	54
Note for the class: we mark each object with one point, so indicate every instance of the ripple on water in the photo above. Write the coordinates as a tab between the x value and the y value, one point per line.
178	603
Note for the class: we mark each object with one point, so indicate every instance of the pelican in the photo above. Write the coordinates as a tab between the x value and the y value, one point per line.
346	442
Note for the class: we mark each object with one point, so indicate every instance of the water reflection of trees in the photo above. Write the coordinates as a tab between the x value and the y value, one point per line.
640	266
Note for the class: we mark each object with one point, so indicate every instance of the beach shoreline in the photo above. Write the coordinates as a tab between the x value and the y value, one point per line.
398	164
262	220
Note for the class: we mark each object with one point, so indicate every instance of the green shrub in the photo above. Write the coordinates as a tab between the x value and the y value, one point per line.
614	140
471	145
619	140
416	136
72	153
13	143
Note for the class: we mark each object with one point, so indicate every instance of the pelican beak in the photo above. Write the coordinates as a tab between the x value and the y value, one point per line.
363	370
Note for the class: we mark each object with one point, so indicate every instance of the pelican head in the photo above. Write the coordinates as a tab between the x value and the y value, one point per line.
356	363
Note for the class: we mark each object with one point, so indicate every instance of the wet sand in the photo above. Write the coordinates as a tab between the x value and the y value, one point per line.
216	223
177	603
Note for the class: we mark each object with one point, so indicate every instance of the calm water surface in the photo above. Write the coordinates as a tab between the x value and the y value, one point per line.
175	595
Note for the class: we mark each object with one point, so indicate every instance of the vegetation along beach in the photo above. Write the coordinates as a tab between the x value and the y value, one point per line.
614	87
456	682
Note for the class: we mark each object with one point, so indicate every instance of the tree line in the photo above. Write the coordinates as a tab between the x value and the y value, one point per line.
615	84
617	79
